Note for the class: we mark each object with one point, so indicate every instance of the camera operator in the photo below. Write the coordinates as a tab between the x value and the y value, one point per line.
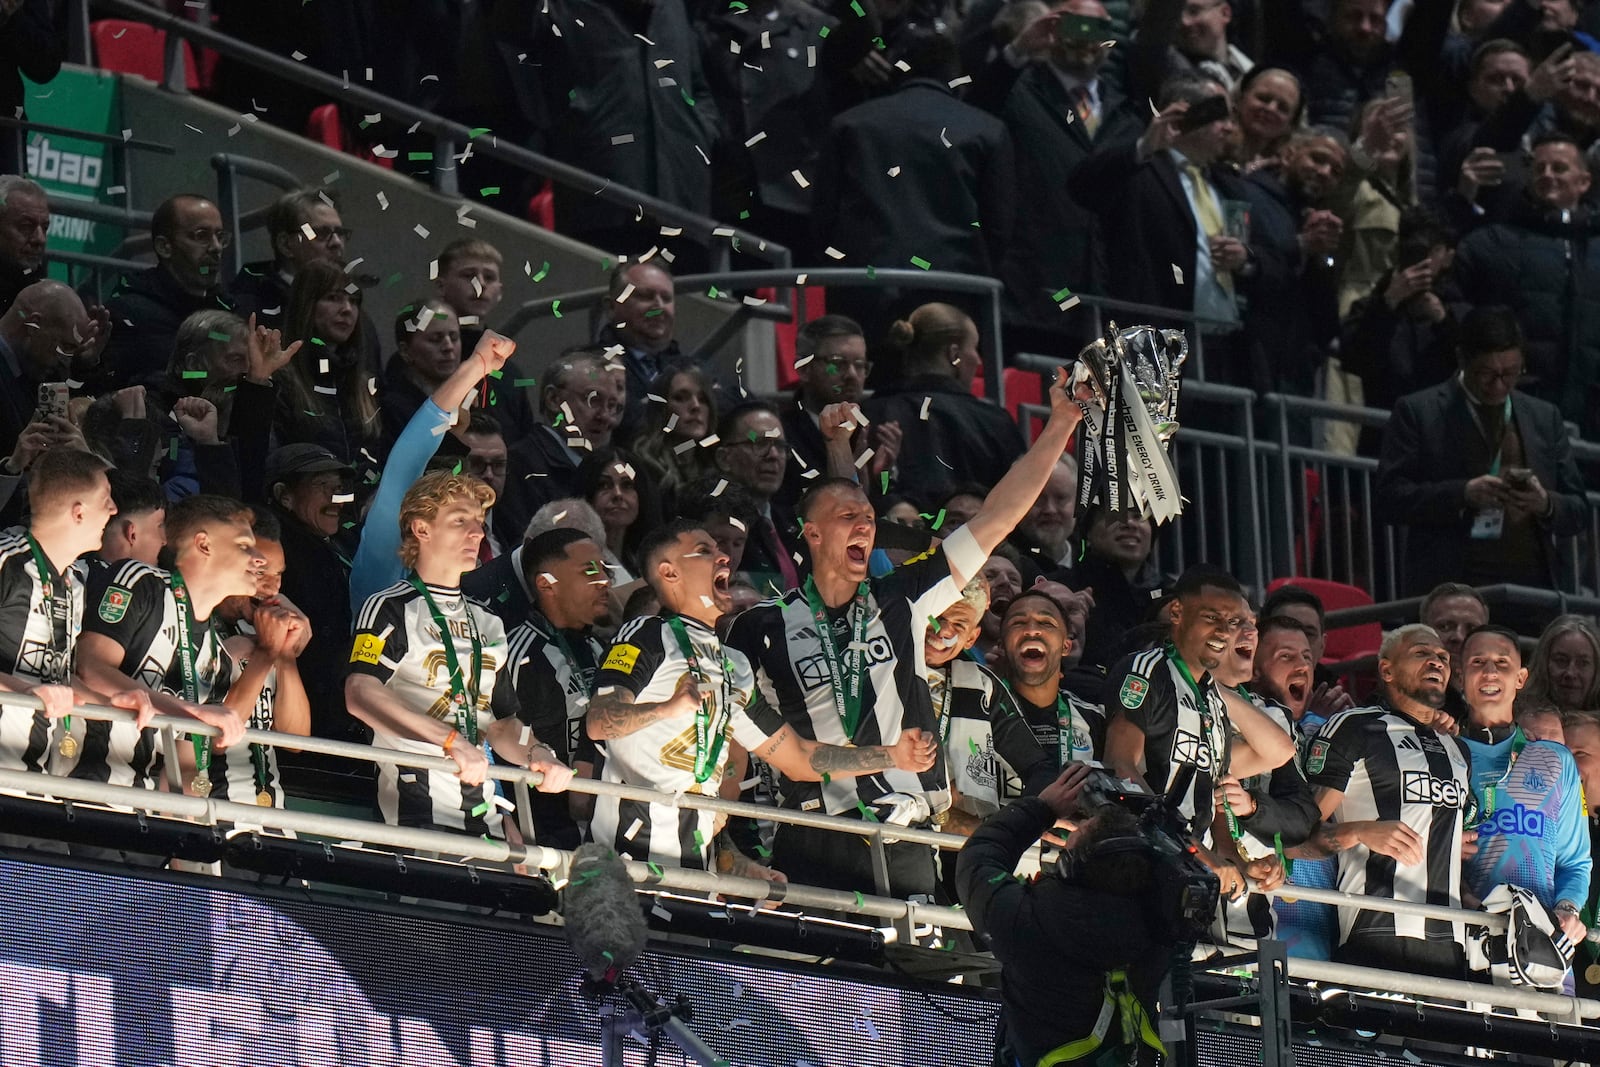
1081	951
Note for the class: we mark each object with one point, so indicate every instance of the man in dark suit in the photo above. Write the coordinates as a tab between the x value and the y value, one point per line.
1166	209
1481	476
831	359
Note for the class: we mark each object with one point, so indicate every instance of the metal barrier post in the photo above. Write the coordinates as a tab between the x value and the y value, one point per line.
175	78
445	181
79	50
1277	1049
228	205
169	751
1286	481
990	337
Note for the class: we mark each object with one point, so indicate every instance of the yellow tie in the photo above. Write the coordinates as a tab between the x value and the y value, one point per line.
1084	106
1209	215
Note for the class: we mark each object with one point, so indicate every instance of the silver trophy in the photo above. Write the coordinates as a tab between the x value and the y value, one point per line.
1133	375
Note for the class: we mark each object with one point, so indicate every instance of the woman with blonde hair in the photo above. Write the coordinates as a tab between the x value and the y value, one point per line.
680	410
1565	667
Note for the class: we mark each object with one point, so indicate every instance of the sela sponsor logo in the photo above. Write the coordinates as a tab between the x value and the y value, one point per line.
1515	821
1420	787
1189	748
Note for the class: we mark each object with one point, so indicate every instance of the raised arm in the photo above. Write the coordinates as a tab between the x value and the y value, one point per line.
803	760
614	713
1263	744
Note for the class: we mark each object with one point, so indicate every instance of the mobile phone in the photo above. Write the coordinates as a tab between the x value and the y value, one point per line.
1080	29
1211	109
1398	84
53	398
1518	477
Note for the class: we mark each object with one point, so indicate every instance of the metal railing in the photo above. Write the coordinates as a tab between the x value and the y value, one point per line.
451	139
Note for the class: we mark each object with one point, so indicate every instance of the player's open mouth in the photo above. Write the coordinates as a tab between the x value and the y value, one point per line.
1031	653
857	554
719	580
1219	647
1297	691
1491	690
1436	677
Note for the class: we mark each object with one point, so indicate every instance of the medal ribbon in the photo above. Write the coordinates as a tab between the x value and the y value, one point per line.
47	592
707	741
191	681
846	693
463	691
1519	741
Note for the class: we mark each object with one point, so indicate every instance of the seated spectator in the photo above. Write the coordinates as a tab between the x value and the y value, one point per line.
644	328
948	436
24	225
488	460
1453	611
1119	568
327	396
40	333
1403	336
626	501
668	441
1564	669
427	338
580	402
1537	261
941	163
830	358
148	307
752	452
469	281
1044	536
725	510
1271	106
1480	476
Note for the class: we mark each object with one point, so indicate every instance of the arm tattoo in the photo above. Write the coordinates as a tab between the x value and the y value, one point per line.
837	760
1327	837
612	716
774	743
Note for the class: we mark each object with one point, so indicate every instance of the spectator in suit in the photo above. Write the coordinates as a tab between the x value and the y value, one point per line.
830	356
1545	263
1161	202
903	179
24	225
644	330
948	436
753	452
1479	474
148	307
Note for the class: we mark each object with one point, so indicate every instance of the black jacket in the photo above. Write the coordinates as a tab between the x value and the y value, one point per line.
33	41
317	580
963	439
1119	605
496	586
1055	941
539	469
1432	448
146	311
1548	272
1293	316
1395	354
955	169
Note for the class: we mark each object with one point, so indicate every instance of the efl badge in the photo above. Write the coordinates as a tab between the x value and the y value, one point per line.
1133	690
114	604
1318	758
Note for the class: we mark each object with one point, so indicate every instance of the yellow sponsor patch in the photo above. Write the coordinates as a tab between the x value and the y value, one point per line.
621	658
367	649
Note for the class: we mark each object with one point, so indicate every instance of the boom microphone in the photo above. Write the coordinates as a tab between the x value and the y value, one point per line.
605	925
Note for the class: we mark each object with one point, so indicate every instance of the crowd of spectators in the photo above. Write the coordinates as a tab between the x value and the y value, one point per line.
242	501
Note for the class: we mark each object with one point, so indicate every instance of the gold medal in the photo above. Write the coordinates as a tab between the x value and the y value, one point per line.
200	785
1592	974
264	799
68	747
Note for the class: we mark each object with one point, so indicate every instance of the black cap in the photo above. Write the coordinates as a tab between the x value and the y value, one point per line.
298	460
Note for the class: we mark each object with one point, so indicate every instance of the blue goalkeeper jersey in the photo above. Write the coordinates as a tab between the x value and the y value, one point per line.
1533	829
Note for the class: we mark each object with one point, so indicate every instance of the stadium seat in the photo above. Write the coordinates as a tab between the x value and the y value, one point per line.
326	126
135	48
1346	642
813	305
542	206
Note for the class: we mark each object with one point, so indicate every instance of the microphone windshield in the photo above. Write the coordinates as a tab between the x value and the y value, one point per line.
605	925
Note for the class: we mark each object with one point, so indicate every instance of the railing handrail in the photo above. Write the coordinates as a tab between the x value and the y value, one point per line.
448	131
8	122
1493	595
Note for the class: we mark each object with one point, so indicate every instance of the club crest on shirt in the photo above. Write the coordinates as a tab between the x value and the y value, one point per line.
1133	691
114	604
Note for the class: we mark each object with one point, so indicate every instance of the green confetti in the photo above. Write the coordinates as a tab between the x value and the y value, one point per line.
218	335
861	899
319	342
481	809
855	5
866	812
877	42
823	32
826	777
505	595
699	840
653	312
477	131
393	279
572	94
687	99
1002	876
743	215
497	374
544	270
972	745
229	388
918	261
761	850
933	621
735	5
1060	295
555	308
872	272
172	449
523	383
457	468
712	292
191	375
939	521
655	868
884	475
607	954
348	525
419	157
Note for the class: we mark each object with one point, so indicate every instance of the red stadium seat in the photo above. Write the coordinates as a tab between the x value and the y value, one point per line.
813	305
542	207
135	48
1346	642
326	126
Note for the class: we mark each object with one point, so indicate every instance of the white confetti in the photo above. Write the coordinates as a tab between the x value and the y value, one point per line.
832	253
965	79
799	179
732	519
671	231
322	366
383	202
722	485
327	389
622	138
894	172
1177	274
707	442
622	297
944	137
811	55
800	279
680	449
757	139
344	498
863	459
902	66
298	56
421	231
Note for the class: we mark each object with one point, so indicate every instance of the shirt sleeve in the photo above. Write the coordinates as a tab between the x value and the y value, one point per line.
130	616
1138	699
633	659
959	553
1338	747
377	561
380	640
1574	863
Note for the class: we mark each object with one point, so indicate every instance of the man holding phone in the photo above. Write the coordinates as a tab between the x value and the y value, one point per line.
1480	473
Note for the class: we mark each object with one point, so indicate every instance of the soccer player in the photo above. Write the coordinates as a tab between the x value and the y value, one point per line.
1169	712
1399	789
264	636
42	597
671	699
423	669
1531	818
1033	633
151	629
554	655
842	659
983	734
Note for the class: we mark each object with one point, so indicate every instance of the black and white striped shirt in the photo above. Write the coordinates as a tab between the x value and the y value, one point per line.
986	740
241	772
132	604
35	645
552	698
1389	767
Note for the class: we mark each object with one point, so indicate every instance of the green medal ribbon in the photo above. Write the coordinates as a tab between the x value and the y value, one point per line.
943	716
707	742
1203	706
1519	741
463	691
1063	715
846	696
191	680
47	595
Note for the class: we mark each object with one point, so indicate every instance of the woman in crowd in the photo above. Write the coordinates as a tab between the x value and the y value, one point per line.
1565	667
1271	105
667	441
626	499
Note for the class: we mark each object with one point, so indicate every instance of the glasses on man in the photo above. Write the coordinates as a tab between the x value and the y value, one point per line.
1487	376
762	446
862	367
326	233
203	236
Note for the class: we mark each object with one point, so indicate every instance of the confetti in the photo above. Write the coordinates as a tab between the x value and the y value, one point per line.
755	140
944	137
189	375
799	179
863	459
420	230
1065	299
1177	274
344	498
383	202
707	442
622	297
918	261
965	79
622	138
832	253
722	485
894	172
926	401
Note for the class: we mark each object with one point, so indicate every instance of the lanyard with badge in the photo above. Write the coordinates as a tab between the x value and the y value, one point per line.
53	611
463	689
1489	524
1208	728
1519	741
707	739
846	696
200	786
1064	728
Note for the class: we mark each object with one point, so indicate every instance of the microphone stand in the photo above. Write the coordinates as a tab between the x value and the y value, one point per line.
649	1012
